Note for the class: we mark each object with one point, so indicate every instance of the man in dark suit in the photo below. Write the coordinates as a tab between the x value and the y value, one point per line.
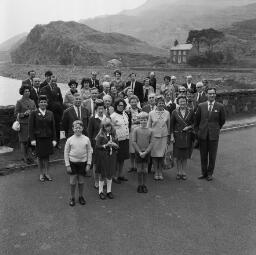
200	94
151	104
35	90
209	119
55	104
47	81
189	85
94	82
89	104
75	112
136	86
29	81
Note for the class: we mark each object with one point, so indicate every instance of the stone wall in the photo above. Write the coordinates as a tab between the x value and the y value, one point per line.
236	102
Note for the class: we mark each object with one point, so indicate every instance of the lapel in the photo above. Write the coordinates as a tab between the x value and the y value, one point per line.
73	112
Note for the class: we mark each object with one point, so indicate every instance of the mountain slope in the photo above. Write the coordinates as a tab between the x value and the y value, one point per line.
161	22
13	42
74	43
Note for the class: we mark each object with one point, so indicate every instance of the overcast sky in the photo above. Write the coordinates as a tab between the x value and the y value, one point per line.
18	16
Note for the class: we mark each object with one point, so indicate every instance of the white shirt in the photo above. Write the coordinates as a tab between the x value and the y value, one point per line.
212	103
133	84
42	111
101	118
189	85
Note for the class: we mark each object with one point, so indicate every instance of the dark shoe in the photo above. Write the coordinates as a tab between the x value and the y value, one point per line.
82	200
122	179
110	195
178	177
116	181
102	196
72	202
145	189
209	178
202	177
184	177
140	189
47	177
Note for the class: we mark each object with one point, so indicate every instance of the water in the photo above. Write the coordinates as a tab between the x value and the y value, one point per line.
9	90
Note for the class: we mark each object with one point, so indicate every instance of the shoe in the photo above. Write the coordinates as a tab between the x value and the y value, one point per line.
145	189
82	200
124	179
72	202
140	189
110	195
47	177
209	178
202	177
116	181
41	178
178	177
96	187
102	196
160	177
156	177
184	177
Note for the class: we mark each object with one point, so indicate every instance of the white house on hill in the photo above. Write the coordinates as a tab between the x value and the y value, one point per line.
180	53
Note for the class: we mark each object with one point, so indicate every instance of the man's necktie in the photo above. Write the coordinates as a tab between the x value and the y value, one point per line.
78	113
210	109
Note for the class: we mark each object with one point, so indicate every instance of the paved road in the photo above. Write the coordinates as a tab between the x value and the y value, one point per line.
175	217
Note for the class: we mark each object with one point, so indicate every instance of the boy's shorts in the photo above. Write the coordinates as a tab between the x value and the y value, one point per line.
78	172
142	167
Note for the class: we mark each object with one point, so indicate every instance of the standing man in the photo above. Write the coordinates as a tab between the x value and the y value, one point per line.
200	94
189	85
29	81
55	104
75	112
94	82
136	86
89	104
48	76
210	117
35	90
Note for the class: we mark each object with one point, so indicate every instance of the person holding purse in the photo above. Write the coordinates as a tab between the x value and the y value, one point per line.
181	125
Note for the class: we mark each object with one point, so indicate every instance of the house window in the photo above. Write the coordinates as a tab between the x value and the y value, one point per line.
174	59
184	59
184	53
179	52
174	53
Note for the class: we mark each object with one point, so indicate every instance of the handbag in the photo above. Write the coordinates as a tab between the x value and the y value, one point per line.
16	124
168	158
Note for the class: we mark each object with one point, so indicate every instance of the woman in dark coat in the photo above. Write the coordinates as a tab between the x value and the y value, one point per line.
93	130
182	120
23	109
42	135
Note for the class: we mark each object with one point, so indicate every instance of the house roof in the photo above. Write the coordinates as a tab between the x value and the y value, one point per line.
187	46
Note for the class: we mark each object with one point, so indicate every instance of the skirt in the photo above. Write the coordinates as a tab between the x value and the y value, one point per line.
181	153
23	133
159	147
123	151
138	159
44	147
106	163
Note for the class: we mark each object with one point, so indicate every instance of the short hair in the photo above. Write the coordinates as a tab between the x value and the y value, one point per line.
106	97
181	87
159	98
191	91
133	97
199	84
118	100
146	78
42	97
132	74
173	77
117	71
54	77
93	73
23	88
85	80
189	76
77	122
98	103
166	77
143	115
211	88
105	83
151	94
112	85
72	81
48	73
31	72
36	79
181	97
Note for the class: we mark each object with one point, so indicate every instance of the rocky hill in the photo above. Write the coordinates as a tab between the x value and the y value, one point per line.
161	22
73	43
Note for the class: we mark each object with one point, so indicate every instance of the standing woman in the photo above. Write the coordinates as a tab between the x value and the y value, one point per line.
93	130
159	121
121	124
69	97
118	82
42	135
23	109
182	120
85	90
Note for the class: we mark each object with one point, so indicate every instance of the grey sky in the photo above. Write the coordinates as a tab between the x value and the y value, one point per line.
18	16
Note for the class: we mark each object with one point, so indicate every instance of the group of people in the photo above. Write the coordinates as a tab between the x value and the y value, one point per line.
109	121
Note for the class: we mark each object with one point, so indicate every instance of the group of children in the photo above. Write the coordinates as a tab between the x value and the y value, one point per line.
78	156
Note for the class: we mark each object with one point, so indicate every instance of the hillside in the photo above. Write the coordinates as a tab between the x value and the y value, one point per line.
74	43
13	42
161	22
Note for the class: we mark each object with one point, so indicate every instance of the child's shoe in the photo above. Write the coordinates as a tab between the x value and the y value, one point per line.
102	196
110	195
140	189
145	189
82	200
72	202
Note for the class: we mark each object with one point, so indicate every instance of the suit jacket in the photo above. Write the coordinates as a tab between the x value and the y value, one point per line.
93	129
209	123
41	126
138	89
43	84
27	82
178	122
69	116
34	95
202	98
96	84
152	83
193	87
55	100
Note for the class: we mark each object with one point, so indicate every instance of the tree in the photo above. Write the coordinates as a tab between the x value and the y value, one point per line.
208	37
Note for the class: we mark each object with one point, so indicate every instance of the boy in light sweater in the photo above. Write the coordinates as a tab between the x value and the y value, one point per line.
78	157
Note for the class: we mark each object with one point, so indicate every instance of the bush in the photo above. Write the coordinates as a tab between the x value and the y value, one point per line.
206	59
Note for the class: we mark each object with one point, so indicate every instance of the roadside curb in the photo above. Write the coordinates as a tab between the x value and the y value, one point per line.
20	167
